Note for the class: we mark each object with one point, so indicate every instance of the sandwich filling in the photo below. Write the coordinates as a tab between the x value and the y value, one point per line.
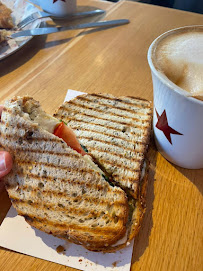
52	125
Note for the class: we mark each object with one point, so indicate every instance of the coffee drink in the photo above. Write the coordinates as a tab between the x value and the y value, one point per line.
176	62
179	56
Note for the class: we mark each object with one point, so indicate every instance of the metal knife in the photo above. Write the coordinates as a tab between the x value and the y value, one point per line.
49	30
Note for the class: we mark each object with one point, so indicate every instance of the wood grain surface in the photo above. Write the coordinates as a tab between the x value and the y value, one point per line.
115	61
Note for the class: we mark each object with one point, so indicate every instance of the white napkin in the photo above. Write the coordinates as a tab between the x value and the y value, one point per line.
17	235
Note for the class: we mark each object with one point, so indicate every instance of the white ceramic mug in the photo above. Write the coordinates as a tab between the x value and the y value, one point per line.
177	117
58	8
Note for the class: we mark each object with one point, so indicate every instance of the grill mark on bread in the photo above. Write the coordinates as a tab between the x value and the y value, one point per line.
97	230
111	97
126	178
71	119
116	154
83	171
107	113
143	101
59	194
19	125
138	150
83	98
47	151
123	109
70	210
42	139
105	134
91	116
121	166
73	183
109	143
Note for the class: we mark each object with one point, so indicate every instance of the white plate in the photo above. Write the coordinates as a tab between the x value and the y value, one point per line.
21	9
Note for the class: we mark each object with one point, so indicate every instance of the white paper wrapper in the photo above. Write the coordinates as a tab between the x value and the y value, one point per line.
21	9
17	235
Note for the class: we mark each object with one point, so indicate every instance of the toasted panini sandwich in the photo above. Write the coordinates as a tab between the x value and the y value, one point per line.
57	186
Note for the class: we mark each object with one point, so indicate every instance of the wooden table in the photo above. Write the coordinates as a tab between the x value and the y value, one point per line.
115	61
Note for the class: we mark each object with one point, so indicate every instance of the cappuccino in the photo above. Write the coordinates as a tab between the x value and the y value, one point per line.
176	62
179	56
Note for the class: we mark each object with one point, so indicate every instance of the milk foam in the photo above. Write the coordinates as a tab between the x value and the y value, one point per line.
180	58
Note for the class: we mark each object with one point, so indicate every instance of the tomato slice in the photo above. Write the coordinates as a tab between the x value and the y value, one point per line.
67	134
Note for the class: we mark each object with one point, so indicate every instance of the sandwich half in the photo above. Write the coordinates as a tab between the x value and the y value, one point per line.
116	132
53	186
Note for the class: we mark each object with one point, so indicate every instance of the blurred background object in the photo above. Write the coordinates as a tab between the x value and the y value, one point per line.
187	5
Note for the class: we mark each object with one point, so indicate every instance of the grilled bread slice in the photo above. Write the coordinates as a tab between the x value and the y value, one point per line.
115	131
54	187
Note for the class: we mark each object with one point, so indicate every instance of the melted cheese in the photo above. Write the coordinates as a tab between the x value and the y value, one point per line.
46	122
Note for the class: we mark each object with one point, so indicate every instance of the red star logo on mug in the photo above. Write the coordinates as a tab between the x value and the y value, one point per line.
162	124
57	0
